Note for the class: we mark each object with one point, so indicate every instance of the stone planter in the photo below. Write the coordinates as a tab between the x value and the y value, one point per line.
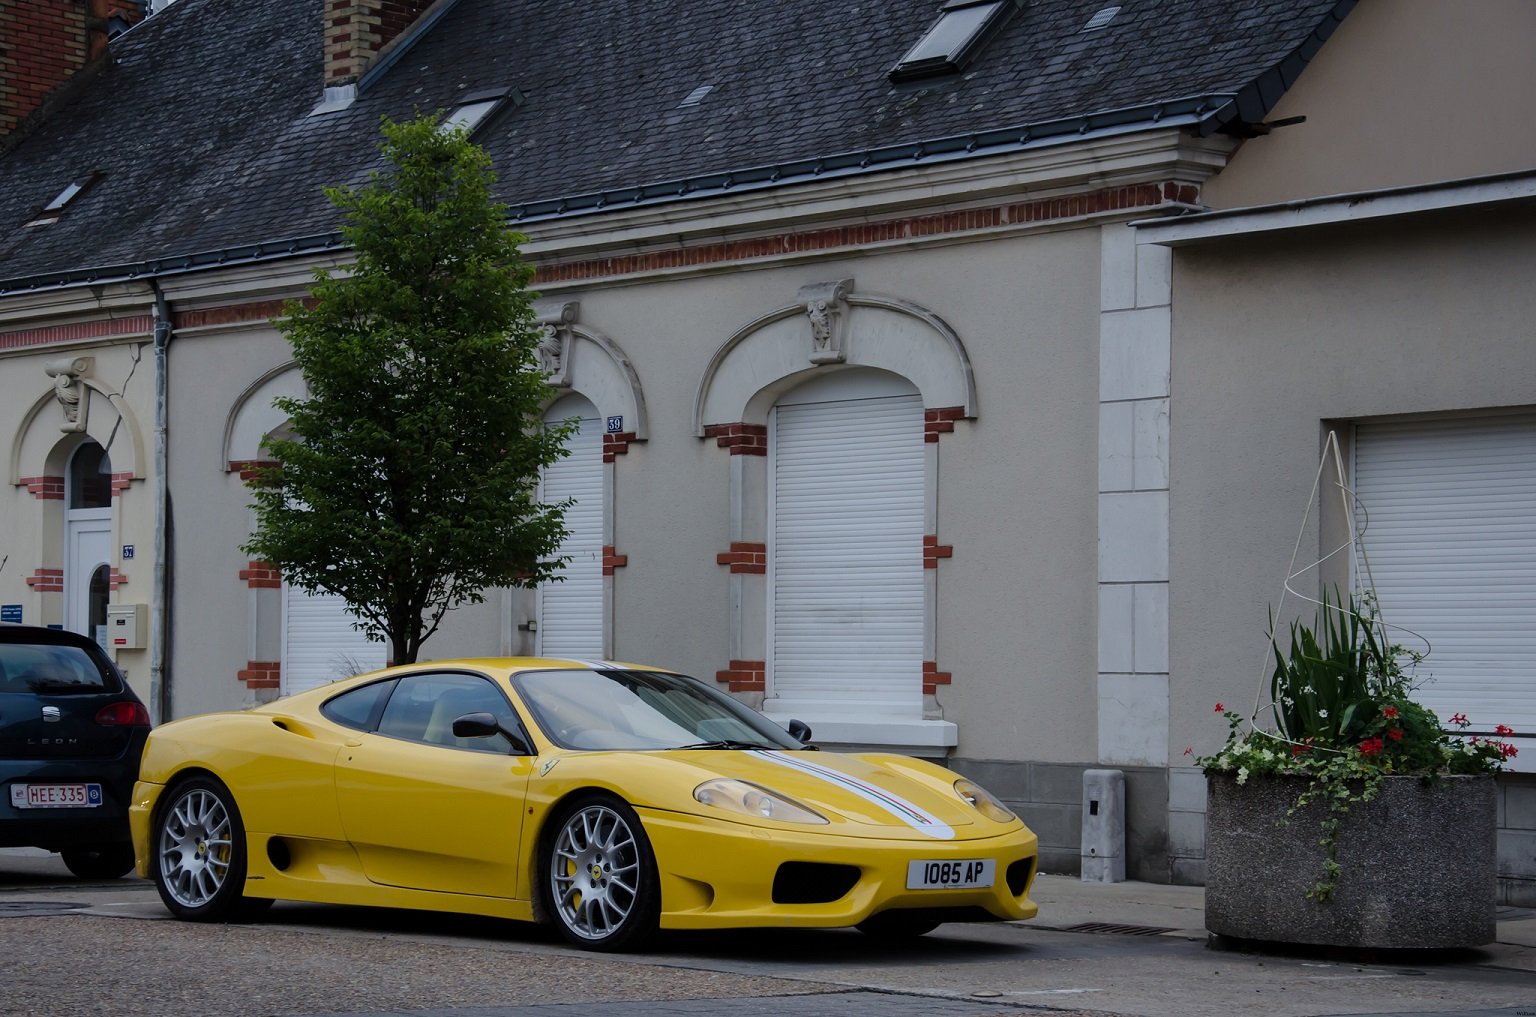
1418	865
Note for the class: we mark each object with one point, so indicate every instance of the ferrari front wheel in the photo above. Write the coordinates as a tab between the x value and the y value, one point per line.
199	852
600	875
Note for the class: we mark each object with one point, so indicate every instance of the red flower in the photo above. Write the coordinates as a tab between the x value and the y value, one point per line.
1396	734
1371	747
1297	750
1189	750
1508	750
1460	720
1503	729
1389	712
1220	708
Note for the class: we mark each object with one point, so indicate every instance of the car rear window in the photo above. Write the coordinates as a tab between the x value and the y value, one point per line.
37	667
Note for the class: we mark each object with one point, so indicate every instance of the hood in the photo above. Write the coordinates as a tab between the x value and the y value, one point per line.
890	797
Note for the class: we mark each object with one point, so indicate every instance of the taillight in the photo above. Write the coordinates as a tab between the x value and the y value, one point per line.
123	715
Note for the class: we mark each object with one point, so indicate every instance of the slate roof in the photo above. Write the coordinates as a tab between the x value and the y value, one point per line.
201	127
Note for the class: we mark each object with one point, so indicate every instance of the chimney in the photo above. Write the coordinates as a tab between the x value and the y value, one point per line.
44	44
357	31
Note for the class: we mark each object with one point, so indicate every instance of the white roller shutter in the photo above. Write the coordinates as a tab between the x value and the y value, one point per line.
319	642
571	611
1451	541
846	557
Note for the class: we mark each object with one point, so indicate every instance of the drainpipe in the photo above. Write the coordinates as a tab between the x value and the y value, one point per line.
159	615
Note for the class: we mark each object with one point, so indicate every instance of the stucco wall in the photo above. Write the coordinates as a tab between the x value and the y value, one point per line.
1405	91
1016	489
1275	335
120	418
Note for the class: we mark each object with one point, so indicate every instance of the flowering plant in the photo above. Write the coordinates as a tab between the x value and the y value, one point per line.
1344	719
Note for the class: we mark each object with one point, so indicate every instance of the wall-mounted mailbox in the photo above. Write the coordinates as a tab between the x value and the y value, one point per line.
127	626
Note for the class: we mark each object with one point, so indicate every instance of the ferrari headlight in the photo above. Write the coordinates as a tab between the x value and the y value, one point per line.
984	802
750	800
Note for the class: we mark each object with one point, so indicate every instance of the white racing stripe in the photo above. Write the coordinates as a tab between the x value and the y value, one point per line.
902	809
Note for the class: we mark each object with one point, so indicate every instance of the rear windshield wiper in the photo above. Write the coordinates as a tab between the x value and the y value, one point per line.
727	743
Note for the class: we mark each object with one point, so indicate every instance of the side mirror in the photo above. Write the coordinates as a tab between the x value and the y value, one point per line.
799	729
485	725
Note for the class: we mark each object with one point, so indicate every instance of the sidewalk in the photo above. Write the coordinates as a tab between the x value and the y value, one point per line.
1067	902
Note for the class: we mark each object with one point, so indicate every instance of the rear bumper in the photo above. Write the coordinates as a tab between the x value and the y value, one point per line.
55	829
718	874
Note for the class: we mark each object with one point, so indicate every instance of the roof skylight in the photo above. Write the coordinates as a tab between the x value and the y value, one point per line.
51	211
963	28
1101	19
477	107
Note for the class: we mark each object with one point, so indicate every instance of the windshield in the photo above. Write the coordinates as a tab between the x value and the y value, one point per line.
642	710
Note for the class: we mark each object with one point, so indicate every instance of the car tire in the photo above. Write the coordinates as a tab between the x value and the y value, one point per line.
598	875
198	854
895	926
105	861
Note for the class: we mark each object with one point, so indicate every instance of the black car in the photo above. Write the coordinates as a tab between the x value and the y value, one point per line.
71	734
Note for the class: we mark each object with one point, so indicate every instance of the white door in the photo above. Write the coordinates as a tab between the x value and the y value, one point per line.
570	618
1451	541
845	550
319	642
88	536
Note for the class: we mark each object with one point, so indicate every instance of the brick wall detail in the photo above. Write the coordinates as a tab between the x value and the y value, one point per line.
933	551
247	467
933	677
856	235
741	439
745	676
45	488
613	561
260	575
47	581
140	324
745	558
120	482
261	674
116	580
941	421
615	445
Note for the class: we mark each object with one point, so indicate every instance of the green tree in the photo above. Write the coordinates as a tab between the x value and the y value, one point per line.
408	484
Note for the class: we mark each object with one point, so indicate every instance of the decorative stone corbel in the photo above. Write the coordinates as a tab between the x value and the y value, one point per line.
70	391
826	305
554	351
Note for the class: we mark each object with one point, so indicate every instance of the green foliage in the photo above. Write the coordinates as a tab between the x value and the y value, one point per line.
409	482
1345	719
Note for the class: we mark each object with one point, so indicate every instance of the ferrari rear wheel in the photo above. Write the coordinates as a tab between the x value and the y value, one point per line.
199	853
891	926
600	875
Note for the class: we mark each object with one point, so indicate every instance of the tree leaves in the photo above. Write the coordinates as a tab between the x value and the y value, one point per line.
409	484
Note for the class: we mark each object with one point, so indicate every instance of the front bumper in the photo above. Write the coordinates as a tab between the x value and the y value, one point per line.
718	874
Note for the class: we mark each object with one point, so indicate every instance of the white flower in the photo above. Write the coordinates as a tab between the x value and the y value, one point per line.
1323	714
1242	775
1266	755
1309	690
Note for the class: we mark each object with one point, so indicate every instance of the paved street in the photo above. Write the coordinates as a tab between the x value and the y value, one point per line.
109	948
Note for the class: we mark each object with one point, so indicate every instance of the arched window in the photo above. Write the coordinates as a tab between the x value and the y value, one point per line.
90	478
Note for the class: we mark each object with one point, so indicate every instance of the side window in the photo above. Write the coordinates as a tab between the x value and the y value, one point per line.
424	707
358	708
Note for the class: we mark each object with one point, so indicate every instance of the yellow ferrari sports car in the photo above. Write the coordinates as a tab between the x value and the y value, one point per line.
608	799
